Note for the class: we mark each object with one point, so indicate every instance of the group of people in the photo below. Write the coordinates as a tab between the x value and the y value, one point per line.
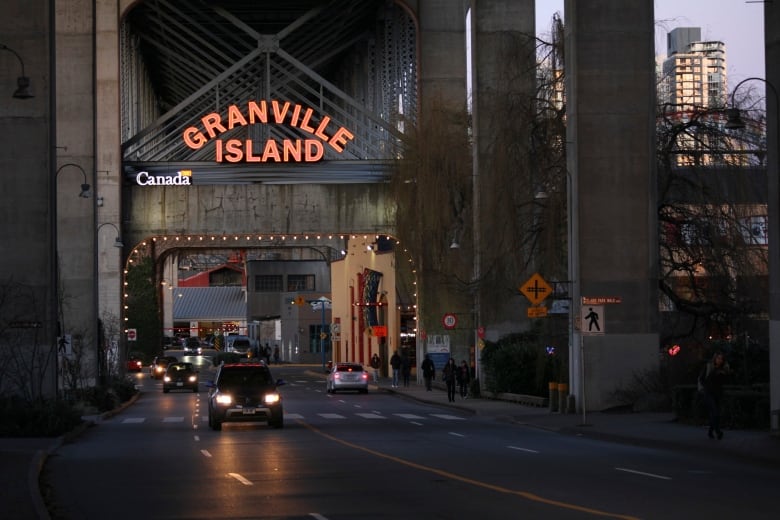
453	375
710	381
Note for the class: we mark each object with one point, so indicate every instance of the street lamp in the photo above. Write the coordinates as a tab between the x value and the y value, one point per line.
322	303
118	239
22	82
84	187
735	122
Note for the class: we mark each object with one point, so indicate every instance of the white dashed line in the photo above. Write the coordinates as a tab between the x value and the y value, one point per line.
456	434
240	478
206	453
522	449
652	475
331	416
370	416
133	420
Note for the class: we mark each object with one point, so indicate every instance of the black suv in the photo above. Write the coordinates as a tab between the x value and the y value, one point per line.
245	392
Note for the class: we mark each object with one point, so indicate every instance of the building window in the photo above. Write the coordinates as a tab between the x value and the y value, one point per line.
300	282
268	283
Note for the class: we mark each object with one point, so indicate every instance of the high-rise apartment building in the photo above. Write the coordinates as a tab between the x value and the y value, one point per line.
694	71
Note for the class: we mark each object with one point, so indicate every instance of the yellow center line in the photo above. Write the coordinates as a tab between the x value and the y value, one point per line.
478	483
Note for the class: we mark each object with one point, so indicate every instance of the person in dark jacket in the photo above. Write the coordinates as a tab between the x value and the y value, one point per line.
428	371
406	368
395	364
449	374
711	380
463	377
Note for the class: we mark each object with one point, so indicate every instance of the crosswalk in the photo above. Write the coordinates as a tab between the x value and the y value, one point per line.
369	416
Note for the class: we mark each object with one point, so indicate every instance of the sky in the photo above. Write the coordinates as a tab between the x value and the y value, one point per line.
737	23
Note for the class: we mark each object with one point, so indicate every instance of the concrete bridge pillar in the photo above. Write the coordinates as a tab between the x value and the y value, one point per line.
611	162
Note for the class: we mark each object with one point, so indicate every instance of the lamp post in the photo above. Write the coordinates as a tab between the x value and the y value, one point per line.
735	122
99	345
22	82
322	302
55	266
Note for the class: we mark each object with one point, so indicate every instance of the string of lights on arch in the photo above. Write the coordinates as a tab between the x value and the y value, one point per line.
241	240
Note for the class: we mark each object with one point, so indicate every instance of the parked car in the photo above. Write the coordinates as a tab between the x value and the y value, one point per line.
160	364
347	376
180	376
239	344
134	364
245	392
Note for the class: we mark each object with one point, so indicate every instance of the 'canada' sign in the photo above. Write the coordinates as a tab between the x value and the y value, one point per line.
213	125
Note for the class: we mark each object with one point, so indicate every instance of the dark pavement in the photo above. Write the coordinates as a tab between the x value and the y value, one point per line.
22	459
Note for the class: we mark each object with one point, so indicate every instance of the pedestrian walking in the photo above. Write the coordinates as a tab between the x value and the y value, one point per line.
406	368
375	364
711	380
395	363
449	374
464	376
428	371
276	355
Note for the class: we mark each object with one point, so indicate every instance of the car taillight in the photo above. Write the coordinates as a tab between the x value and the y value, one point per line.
364	375
336	376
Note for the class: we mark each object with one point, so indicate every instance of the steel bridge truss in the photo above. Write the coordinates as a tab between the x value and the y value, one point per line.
353	61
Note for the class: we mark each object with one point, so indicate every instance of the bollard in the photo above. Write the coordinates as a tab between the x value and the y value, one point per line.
563	390
553	387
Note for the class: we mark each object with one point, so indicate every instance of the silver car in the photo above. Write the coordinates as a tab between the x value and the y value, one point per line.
347	376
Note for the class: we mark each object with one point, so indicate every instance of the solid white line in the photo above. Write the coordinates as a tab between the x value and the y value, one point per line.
456	434
644	474
206	453
240	479
522	449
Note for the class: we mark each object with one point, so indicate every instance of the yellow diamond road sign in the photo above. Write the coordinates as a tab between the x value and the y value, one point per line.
536	289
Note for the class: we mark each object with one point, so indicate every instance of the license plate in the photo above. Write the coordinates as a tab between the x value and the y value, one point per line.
179	384
248	411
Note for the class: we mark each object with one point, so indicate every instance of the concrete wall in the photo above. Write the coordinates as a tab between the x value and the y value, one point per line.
26	200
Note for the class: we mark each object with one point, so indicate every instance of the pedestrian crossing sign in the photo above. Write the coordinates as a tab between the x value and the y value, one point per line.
592	320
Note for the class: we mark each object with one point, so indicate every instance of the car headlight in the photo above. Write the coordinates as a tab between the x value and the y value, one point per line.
193	379
224	399
167	379
272	398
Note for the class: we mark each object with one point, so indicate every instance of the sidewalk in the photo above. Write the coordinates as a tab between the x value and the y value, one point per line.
21	460
658	430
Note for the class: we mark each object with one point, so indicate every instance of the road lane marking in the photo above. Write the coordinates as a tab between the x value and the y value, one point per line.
331	416
293	416
456	434
206	453
415	423
196	438
635	472
522	449
240	478
408	416
318	516
133	420
448	417
370	416
173	419
454	476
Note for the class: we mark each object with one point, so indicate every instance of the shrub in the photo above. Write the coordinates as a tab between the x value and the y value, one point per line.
43	418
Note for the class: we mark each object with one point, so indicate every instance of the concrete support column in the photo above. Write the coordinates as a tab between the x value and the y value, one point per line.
611	161
772	60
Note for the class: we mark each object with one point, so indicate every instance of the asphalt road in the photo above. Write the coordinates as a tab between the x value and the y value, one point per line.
378	456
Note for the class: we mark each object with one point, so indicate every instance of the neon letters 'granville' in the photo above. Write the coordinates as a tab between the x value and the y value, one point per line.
257	112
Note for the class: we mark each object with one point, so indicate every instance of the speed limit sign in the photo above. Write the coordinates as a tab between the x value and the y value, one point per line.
449	321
